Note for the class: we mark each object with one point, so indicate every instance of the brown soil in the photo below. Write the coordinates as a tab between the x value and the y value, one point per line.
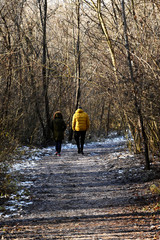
103	194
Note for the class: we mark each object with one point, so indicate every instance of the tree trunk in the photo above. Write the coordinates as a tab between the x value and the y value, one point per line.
6	96
138	108
44	71
101	118
78	59
108	117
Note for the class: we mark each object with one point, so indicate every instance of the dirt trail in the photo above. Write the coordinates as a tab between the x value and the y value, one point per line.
99	195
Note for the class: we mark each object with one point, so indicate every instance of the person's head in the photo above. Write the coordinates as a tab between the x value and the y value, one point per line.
79	107
57	114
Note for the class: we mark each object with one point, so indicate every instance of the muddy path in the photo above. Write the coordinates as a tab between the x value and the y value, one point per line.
103	194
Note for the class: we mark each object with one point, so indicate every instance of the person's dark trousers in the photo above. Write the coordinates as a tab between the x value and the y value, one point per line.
58	146
79	137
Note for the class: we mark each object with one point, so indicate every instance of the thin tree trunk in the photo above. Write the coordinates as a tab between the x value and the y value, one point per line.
108	117
77	65
101	117
78	59
6	96
44	72
104	28
144	136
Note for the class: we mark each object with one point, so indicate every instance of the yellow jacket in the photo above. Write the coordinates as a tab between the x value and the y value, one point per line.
80	121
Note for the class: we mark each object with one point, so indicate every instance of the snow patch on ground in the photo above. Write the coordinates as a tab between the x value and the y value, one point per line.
31	157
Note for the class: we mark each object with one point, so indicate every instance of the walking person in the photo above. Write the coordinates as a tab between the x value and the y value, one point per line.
80	124
58	127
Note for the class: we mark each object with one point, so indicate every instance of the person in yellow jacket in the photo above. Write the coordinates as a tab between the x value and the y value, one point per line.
80	124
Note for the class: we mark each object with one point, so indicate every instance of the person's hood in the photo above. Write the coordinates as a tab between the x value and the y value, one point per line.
58	114
79	110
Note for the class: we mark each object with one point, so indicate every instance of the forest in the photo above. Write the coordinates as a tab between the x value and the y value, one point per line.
101	54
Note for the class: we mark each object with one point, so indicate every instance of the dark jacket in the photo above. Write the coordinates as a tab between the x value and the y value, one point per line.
58	126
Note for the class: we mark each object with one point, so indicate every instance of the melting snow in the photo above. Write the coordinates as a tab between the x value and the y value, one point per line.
30	159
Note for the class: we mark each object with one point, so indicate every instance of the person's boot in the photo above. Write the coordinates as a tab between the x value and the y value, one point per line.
82	150
79	149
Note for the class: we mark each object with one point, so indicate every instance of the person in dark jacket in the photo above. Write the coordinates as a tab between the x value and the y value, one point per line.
58	127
